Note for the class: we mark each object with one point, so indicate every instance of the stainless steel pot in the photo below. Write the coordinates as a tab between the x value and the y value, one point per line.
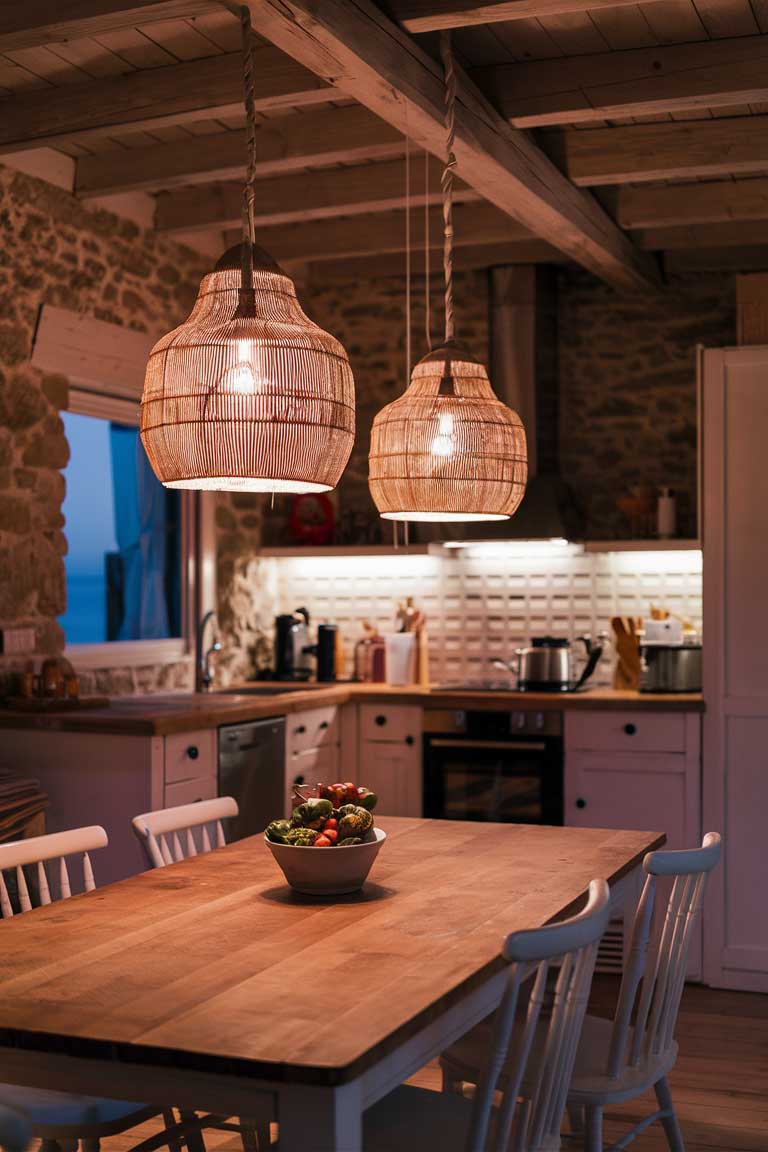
547	665
670	667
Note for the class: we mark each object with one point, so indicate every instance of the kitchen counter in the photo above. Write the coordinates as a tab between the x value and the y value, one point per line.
161	715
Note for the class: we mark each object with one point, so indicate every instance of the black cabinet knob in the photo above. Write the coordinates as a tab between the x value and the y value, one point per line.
630	729
409	740
298	779
381	721
323	725
300	730
581	803
193	752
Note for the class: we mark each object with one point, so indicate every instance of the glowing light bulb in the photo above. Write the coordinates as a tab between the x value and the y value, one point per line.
443	444
240	378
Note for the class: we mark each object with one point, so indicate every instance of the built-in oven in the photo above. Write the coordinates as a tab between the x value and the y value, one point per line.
493	765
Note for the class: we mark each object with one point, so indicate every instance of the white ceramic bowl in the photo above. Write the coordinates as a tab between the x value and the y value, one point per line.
328	871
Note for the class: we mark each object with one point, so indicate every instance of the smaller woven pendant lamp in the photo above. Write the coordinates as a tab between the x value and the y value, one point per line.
248	394
448	449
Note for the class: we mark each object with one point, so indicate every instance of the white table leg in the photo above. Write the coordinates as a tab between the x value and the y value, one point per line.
314	1119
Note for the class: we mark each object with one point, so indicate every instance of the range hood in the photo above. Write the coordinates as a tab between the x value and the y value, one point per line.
524	374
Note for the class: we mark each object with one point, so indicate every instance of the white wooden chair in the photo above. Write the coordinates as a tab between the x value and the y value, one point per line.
39	851
620	1059
173	834
168	836
542	1052
61	1119
15	1132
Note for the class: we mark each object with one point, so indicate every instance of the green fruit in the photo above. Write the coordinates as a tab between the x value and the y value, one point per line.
278	831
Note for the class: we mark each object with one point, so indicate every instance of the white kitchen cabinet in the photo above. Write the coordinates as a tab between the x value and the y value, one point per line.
735	782
311	749
389	758
638	770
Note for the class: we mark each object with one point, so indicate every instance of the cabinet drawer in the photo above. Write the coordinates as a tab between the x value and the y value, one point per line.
390	723
315	765
626	731
318	765
190	755
190	791
312	729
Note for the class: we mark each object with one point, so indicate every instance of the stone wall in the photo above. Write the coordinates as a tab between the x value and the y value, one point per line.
54	250
628	391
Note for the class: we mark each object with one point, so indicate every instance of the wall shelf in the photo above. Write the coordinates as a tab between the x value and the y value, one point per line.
591	546
349	550
642	545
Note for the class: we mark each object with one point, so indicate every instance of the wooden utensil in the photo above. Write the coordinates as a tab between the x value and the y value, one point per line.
626	673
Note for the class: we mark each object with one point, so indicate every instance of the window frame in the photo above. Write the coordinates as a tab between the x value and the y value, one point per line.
133	653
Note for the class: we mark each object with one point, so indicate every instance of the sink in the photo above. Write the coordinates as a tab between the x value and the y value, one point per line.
268	689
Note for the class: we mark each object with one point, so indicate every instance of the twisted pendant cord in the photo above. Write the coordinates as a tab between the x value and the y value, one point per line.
407	249
447	179
427	316
249	189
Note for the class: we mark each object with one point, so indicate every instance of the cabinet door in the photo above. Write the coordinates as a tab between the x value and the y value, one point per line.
735	488
653	792
393	772
608	790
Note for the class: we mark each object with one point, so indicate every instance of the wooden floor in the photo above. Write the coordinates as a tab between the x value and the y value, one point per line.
720	1084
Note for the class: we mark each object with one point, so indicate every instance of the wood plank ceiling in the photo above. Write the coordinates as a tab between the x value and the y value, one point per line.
601	131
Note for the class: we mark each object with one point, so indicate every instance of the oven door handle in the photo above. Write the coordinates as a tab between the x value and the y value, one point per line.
500	745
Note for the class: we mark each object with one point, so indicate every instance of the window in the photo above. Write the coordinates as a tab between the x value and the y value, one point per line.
123	567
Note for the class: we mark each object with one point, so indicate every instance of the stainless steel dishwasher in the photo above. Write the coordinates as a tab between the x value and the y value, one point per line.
252	769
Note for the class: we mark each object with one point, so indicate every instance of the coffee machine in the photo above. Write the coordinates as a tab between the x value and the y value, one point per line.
293	651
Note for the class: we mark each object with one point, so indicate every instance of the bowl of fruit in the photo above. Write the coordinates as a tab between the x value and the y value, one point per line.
329	844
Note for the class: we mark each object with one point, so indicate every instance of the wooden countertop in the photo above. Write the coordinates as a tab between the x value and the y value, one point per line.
214	965
184	712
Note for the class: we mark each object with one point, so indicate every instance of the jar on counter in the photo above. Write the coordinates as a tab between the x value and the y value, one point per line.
370	656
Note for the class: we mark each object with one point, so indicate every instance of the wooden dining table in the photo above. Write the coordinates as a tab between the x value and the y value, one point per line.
209	983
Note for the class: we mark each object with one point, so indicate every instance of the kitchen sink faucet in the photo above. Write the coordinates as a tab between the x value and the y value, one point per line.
204	677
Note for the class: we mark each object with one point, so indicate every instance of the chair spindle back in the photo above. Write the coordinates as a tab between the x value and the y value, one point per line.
658	955
173	834
542	1056
39	850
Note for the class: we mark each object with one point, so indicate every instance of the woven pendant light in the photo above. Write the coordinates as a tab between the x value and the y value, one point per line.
248	394
448	449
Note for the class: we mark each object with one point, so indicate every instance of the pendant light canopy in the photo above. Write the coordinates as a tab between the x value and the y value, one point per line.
448	449
248	394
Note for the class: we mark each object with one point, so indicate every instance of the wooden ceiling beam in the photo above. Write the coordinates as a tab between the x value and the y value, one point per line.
470	256
679	261
348	135
710	203
33	22
155	97
735	234
673	151
641	82
372	236
352	44
300	199
431	15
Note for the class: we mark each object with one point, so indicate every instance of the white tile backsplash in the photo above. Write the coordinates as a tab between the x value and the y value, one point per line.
480	606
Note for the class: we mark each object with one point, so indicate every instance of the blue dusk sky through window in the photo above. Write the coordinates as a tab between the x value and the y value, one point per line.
90	527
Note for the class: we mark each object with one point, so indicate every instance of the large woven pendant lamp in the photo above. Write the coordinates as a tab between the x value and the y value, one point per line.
248	394
448	449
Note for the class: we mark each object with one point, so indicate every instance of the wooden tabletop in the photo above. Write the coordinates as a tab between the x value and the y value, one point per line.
182	712
216	964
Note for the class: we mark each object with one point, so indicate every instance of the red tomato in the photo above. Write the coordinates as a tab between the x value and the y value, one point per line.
330	823
323	842
330	834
